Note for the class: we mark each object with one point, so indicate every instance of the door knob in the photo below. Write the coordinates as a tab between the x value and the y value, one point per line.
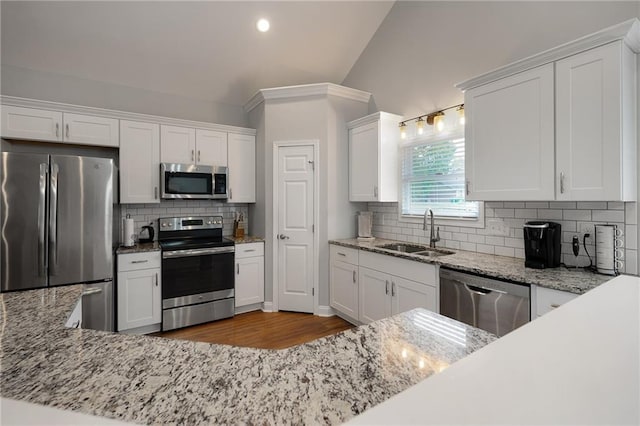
283	237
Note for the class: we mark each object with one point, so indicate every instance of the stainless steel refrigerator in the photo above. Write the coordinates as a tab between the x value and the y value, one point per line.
57	228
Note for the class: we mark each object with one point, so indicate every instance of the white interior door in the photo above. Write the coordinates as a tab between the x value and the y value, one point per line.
295	228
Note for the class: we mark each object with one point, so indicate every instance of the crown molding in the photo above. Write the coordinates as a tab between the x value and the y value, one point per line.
372	118
121	115
304	91
627	31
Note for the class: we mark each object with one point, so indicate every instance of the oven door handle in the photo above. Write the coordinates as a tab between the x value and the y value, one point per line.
196	252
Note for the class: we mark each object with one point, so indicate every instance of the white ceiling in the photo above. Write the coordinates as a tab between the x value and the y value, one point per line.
201	50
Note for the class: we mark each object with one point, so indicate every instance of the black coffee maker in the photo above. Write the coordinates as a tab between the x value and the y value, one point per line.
542	244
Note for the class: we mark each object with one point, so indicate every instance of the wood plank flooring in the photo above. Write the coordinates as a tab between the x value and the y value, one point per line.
266	330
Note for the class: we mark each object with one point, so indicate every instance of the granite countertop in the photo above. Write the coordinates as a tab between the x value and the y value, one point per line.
139	248
246	239
147	379
508	268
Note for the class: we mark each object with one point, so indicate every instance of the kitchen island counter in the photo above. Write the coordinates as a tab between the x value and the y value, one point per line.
147	379
512	269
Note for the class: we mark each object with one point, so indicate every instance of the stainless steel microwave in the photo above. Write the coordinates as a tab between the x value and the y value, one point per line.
193	181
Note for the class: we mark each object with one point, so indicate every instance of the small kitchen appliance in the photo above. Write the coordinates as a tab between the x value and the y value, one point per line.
365	222
193	181
146	234
609	251
128	235
542	244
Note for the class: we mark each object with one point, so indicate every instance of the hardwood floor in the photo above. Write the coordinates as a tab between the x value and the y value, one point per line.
266	330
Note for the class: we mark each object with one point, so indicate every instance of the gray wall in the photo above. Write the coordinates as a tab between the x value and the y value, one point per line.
423	48
47	86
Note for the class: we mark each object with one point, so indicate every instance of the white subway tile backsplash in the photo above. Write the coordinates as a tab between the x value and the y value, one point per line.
537	204
576	215
562	205
570	214
592	205
608	216
549	214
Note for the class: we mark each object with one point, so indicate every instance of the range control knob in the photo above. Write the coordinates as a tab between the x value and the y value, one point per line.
209	222
163	224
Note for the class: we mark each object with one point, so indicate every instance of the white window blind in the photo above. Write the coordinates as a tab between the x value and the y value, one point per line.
433	178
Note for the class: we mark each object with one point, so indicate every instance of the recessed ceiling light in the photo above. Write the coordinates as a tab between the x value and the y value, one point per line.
263	25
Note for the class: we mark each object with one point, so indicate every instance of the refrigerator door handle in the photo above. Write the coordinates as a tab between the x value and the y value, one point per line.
42	193
53	220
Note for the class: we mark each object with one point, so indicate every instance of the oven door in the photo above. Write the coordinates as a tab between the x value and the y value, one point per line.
197	275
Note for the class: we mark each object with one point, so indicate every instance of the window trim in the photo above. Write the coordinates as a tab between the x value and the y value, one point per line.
478	222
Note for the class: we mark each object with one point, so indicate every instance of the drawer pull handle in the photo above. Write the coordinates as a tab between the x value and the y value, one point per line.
393	289
342	254
554	305
354	276
156	279
139	261
237	269
386	287
248	251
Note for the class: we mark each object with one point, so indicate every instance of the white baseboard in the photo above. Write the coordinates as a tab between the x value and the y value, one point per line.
248	308
145	329
325	311
267	307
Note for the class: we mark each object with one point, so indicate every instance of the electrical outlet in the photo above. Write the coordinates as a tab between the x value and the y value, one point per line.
586	228
496	226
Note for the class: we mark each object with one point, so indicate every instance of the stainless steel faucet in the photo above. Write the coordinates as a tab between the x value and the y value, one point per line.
433	237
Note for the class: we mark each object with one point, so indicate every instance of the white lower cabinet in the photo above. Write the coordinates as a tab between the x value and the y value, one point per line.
249	286
139	293
545	300
343	281
367	286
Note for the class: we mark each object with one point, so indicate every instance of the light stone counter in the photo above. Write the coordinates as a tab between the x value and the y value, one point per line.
146	379
507	268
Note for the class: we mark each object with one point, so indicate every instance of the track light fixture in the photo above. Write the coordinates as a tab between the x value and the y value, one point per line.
435	119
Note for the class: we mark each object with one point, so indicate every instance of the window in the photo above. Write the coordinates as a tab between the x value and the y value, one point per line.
433	178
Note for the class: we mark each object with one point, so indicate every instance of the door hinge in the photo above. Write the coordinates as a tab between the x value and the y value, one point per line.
313	164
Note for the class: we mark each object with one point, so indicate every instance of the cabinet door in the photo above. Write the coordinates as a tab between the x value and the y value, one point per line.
546	299
32	124
509	137
363	163
90	130
139	298
177	144
242	168
211	148
407	295
588	125
139	162
249	280
343	292
375	295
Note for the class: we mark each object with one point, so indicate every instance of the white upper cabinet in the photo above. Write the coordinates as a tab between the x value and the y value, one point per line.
55	126
560	125
211	147
595	140
139	162
242	168
177	144
89	130
509	138
373	157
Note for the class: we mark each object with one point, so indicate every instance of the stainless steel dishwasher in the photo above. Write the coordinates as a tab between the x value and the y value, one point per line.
492	305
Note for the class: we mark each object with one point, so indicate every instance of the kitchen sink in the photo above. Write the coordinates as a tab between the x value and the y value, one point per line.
416	249
404	248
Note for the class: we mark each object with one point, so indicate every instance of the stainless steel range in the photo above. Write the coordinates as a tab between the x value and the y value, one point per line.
197	271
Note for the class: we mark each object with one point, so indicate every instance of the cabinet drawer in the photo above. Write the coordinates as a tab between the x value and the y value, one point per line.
343	254
135	261
249	250
548	299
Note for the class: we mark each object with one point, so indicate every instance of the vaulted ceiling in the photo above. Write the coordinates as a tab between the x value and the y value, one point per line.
201	50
